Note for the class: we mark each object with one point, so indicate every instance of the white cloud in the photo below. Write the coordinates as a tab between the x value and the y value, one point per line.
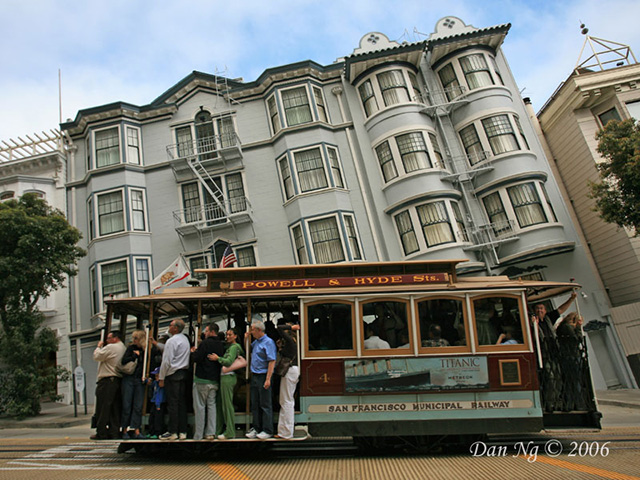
132	51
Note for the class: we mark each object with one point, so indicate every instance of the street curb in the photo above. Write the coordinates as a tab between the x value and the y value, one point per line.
5	425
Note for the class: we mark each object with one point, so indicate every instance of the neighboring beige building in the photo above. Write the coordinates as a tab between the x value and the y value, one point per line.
606	86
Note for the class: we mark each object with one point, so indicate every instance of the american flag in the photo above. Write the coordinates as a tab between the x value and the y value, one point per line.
228	258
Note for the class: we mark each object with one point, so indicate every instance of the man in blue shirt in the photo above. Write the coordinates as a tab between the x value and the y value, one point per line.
263	362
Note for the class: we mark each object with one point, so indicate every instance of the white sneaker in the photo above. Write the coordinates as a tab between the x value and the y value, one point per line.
264	435
182	436
209	437
168	436
221	437
251	433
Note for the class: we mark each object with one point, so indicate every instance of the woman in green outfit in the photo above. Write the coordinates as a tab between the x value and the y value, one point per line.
226	412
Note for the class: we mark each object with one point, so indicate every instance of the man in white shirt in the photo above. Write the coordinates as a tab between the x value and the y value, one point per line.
108	354
373	341
173	377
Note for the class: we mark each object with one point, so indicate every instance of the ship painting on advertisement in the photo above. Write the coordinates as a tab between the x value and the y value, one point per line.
416	374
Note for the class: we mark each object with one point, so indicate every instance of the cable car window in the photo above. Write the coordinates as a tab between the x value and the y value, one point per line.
442	323
498	321
329	326
385	325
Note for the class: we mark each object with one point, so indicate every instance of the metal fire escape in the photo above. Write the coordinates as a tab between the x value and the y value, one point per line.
486	237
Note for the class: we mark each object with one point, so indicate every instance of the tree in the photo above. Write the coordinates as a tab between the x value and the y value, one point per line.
37	252
617	195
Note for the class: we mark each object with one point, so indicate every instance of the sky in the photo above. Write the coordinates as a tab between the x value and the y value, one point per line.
134	50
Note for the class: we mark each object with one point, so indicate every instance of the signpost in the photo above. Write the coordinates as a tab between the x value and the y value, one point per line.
79	381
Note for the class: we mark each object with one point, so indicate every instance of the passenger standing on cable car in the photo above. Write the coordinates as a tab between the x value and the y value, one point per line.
226	413
133	387
206	382
108	402
173	377
263	362
551	373
289	380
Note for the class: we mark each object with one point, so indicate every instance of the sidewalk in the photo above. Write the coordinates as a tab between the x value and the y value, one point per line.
52	415
56	415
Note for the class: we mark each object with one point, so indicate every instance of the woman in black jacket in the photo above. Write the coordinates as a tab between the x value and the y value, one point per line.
133	387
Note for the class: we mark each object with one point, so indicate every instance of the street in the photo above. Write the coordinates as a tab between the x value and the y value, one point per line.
67	454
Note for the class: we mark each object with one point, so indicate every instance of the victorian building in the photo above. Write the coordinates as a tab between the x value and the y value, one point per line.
397	151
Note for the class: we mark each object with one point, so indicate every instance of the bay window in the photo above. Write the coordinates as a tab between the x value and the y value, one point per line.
368	98
472	145
413	151
328	239
313	169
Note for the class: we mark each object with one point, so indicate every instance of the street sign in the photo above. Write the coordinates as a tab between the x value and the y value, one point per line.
78	376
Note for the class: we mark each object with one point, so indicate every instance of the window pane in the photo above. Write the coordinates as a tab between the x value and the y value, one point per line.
498	320
497	216
198	262
310	170
386	161
191	203
413	151
501	136
459	221
325	238
114	279
296	106
393	87
110	213
476	71
273	113
335	167
235	193
107	147
246	257
406	232
472	145
435	224
137	206
442	323
286	177
353	237
330	326
368	98
611	114
634	109
385	325
133	146
185	141
436	148
449	82
526	204
322	113
301	249
142	277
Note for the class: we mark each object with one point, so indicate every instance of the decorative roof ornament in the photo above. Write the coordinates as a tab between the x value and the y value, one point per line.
604	54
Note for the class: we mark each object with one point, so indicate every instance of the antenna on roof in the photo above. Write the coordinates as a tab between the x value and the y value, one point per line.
604	53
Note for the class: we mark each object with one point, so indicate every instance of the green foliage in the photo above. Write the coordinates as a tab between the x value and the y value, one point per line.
617	195
37	252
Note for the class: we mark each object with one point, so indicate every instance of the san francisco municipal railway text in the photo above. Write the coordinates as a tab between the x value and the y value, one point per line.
419	406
